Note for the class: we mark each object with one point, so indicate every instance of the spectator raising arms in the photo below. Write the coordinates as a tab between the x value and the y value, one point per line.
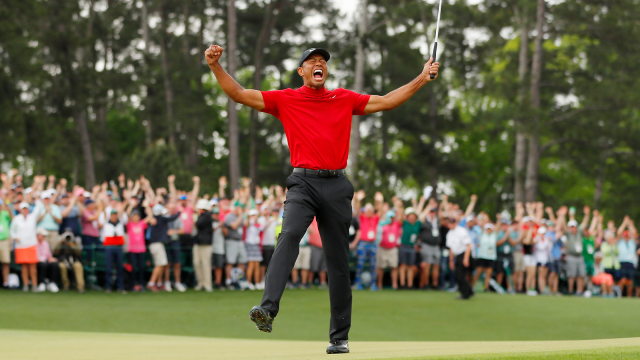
23	233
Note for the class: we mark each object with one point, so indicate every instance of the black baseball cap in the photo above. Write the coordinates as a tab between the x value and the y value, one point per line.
309	52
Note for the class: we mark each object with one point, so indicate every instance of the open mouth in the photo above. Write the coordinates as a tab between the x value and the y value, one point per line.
317	74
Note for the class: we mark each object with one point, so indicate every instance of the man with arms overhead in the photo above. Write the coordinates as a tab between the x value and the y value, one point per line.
317	123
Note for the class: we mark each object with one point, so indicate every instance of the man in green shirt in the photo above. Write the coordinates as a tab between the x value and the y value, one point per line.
410	229
5	242
588	249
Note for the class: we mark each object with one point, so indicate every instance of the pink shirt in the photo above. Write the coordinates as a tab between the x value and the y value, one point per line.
368	226
136	236
390	235
186	215
44	251
89	228
314	235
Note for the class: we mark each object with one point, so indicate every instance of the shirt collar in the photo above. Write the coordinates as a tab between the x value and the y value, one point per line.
305	90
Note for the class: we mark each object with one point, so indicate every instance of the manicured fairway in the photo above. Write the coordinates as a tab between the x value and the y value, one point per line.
388	324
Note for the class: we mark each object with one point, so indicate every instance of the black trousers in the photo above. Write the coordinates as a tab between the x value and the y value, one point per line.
329	200
461	276
49	271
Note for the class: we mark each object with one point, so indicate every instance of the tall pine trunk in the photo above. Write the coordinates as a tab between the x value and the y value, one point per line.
359	88
521	137
533	164
232	112
146	71
271	12
166	75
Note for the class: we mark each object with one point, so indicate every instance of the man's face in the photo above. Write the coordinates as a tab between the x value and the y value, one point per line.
412	218
314	71
64	201
40	238
24	212
573	230
46	201
114	217
452	225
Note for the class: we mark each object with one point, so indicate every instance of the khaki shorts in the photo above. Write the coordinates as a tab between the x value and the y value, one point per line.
159	254
53	238
518	262
387	258
304	258
5	251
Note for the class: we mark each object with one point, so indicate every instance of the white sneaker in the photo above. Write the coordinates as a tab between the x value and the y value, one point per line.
180	287
250	286
167	286
227	282
260	285
52	287
532	293
42	287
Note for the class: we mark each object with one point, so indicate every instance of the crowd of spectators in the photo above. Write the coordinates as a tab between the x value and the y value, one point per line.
129	236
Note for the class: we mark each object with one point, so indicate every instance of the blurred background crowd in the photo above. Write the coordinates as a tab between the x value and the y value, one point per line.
127	235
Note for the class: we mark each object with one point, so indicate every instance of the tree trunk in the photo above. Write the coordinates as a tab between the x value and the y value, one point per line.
597	195
87	152
232	112
271	12
168	85
359	88
145	38
531	183
433	119
521	138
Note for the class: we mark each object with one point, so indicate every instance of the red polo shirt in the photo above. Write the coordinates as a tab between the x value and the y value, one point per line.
317	123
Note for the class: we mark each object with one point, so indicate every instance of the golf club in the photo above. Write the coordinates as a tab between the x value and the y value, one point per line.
435	43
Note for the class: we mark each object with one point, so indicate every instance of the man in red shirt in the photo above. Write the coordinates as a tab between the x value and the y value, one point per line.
317	123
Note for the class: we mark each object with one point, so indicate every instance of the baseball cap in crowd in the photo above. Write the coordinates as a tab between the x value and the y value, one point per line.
24	205
157	209
64	196
88	202
46	194
572	223
410	211
253	212
114	211
42	231
597	255
79	192
215	211
470	218
542	230
86	194
488	226
433	209
183	197
28	190
526	219
309	52
202	204
453	220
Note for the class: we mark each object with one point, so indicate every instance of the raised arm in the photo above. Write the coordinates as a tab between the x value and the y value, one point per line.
585	219
173	193
399	96
248	97
472	205
195	191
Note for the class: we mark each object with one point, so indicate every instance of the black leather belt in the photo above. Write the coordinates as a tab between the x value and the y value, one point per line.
318	173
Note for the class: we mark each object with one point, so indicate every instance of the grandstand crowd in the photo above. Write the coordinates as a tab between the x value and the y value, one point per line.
129	236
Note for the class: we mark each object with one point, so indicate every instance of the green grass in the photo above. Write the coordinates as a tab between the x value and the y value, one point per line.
617	353
382	316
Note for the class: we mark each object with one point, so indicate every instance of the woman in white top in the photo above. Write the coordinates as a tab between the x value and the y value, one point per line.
254	227
23	232
542	253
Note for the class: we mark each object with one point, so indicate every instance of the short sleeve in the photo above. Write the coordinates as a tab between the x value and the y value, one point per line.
359	101
270	99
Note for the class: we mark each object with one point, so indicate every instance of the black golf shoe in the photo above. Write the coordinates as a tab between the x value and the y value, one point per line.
338	347
262	318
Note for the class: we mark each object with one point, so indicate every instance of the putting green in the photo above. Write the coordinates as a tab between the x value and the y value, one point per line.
27	345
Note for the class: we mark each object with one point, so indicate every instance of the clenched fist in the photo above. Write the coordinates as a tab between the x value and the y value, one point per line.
213	53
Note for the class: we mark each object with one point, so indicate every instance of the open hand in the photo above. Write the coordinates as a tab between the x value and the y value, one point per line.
213	53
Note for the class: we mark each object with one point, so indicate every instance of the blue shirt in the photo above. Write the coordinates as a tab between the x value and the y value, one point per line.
487	246
47	221
627	251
